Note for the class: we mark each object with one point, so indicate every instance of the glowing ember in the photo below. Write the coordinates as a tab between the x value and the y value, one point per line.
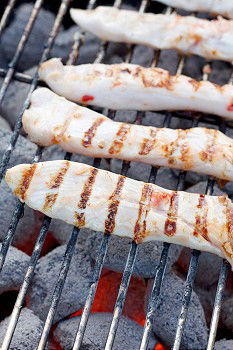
106	295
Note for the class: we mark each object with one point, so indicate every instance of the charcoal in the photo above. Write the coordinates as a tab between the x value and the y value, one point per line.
13	270
63	43
15	97
26	226
167	314
192	179
208	267
206	297
226	313
35	44
27	332
75	289
200	187
148	255
224	345
128	335
89	50
4	124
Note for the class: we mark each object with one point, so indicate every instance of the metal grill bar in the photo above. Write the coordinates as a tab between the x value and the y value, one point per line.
218	303
26	283
46	222
6	14
101	256
59	287
20	48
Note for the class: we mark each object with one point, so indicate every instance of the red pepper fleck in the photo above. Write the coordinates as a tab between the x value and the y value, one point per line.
87	98
230	107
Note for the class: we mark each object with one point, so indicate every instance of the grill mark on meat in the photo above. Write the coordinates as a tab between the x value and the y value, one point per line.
170	223
85	195
60	130
50	199
57	180
121	136
113	206
201	218
170	148
196	84
146	146
91	132
229	225
208	154
26	179
140	226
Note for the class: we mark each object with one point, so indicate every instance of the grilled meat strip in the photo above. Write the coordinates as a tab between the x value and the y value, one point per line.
220	7
52	119
129	86
100	200
188	34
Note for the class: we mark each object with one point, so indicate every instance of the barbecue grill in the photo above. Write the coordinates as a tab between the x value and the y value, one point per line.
11	74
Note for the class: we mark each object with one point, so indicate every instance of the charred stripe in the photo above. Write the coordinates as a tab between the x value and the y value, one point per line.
140	226
91	132
85	195
57	180
50	199
146	146
113	206
201	218
121	136
208	154
228	246
170	223
26	179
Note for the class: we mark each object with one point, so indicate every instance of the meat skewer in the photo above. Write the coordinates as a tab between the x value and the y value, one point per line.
52	119
187	34
100	200
129	86
220	7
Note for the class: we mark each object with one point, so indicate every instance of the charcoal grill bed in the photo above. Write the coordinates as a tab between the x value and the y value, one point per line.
11	74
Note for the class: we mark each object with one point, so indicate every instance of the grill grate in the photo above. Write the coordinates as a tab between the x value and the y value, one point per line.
10	74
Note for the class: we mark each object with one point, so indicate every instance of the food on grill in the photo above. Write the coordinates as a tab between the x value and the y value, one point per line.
188	34
129	86
52	119
220	7
103	201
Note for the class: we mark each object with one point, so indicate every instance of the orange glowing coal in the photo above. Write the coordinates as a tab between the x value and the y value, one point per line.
106	295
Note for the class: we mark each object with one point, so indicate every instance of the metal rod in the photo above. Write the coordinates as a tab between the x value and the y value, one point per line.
6	14
218	303
186	298
20	48
122	295
14	137
58	288
26	283
155	292
91	294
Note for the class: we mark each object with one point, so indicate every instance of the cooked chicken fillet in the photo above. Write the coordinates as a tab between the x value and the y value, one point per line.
100	200
52	119
220	7
188	34
129	86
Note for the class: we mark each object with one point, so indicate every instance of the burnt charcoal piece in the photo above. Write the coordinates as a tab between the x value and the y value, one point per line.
14	269
128	336
147	259
27	332
23	152
167	313
4	125
26	226
224	345
208	267
75	289
226	313
37	39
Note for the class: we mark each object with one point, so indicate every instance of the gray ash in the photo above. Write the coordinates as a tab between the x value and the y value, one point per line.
167	313
128	335
75	289
27	332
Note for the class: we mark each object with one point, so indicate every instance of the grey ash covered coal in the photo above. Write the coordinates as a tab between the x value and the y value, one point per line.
80	274
128	336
